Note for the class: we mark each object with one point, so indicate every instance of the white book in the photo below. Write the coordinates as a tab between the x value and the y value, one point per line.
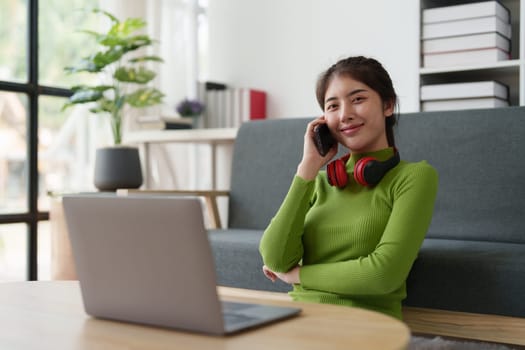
221	105
466	42
153	122
464	90
463	11
237	119
228	108
245	105
461	58
211	112
201	96
463	103
201	91
467	26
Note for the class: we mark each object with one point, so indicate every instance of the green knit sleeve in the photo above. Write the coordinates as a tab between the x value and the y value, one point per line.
281	245
387	267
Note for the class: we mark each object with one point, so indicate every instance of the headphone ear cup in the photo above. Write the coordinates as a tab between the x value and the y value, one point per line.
336	171
360	168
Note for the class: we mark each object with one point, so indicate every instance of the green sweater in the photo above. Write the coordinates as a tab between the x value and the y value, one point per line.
356	245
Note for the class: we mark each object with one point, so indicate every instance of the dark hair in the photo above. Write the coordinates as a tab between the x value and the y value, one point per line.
369	72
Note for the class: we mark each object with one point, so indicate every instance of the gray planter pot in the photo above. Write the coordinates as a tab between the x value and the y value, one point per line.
117	167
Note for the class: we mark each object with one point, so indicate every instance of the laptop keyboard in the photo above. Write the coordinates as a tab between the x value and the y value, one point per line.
236	318
232	312
231	306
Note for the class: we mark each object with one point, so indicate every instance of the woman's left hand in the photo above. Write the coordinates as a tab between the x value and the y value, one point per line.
290	277
312	161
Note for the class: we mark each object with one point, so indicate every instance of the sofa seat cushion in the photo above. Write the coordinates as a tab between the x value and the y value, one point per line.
469	276
238	262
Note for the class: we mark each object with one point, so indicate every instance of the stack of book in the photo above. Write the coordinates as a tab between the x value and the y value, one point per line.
163	122
228	107
224	107
481	94
475	33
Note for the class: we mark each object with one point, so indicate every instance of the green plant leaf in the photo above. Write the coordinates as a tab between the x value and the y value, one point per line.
146	58
135	42
103	59
125	44
100	88
144	97
107	14
111	40
124	29
119	102
104	105
85	65
140	75
97	62
84	96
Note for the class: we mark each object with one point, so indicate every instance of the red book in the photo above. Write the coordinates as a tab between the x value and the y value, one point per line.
253	104
257	104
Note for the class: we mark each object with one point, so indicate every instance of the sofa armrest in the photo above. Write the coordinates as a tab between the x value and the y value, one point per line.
210	197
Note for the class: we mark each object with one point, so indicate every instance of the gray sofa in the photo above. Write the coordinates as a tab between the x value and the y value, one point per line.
473	258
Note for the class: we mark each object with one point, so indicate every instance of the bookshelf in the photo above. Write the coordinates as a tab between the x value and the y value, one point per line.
509	72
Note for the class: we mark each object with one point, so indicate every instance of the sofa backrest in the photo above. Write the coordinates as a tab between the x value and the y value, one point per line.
477	154
265	158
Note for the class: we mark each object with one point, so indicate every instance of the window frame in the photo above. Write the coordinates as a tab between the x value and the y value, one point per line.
33	91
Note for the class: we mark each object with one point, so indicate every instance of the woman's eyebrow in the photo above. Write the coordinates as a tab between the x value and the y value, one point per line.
353	92
330	99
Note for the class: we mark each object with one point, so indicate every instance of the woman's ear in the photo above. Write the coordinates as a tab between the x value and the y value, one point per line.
388	108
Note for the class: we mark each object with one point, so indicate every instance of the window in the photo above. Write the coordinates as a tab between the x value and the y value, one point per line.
44	149
13	152
13	31
32	91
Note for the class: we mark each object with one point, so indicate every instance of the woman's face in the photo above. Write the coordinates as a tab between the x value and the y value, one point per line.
355	115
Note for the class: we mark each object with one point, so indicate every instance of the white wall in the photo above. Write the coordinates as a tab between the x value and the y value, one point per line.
282	45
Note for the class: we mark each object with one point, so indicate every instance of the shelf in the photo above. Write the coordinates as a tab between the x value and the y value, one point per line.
501	65
508	72
225	135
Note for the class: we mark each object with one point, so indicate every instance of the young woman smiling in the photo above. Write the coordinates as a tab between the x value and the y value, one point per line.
349	235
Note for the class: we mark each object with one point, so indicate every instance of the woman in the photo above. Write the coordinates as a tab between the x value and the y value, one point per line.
345	241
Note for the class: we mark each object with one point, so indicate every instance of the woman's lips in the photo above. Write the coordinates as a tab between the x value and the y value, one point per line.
351	129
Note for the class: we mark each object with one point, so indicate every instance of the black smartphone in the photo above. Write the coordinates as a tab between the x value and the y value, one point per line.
323	139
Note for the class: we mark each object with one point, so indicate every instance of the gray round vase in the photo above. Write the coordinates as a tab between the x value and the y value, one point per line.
117	167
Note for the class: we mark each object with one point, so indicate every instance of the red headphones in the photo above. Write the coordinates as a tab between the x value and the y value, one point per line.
368	171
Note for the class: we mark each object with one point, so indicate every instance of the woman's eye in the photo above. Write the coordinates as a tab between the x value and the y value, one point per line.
358	99
331	107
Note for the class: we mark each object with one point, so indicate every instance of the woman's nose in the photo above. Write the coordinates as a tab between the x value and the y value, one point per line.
345	112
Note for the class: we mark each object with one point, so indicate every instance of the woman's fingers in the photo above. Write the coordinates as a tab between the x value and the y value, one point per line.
269	273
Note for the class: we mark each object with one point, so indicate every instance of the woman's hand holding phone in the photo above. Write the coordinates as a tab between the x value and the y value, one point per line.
312	160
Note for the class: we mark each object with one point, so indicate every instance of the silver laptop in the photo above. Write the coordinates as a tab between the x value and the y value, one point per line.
148	260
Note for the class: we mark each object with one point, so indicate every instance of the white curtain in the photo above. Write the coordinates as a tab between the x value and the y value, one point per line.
174	24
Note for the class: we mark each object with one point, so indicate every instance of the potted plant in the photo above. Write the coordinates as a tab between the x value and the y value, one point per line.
123	65
188	111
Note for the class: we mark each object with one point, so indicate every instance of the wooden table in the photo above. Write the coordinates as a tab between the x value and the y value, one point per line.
37	315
